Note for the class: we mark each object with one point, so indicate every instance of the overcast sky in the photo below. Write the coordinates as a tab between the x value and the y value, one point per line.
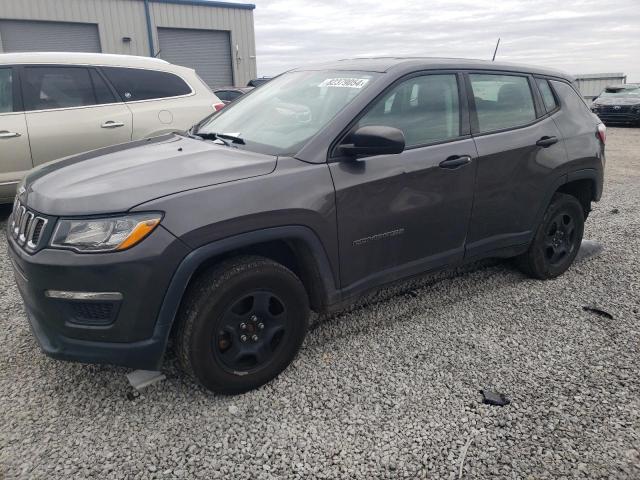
578	36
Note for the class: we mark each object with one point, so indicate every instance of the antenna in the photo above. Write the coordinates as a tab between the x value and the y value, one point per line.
496	50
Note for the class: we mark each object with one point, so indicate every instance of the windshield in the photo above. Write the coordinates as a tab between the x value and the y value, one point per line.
281	116
621	92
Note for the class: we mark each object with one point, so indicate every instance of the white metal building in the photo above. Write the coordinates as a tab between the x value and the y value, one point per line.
591	85
215	38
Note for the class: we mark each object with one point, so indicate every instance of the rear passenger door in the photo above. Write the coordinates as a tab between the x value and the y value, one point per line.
15	156
158	100
519	146
70	110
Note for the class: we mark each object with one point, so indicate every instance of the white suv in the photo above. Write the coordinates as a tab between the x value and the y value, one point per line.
58	104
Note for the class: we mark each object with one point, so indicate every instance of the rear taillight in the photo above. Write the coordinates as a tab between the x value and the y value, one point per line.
218	106
602	133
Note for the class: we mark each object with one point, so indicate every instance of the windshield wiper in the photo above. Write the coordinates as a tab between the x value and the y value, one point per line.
226	138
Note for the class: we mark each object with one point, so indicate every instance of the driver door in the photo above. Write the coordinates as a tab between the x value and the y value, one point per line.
404	214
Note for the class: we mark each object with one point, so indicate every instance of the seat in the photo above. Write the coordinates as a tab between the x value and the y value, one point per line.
512	105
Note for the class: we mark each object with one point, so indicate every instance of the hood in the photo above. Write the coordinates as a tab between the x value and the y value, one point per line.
617	101
117	178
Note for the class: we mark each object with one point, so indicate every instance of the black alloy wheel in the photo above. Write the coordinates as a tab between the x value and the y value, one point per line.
241	323
557	239
250	331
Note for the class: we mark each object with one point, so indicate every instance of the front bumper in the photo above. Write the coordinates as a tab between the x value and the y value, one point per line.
128	335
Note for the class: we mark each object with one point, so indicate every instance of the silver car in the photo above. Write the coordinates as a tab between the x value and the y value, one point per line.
57	104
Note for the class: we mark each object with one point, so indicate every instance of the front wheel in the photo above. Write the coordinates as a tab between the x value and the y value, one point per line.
241	324
557	239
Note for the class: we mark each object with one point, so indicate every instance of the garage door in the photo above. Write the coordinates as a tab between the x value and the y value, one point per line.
27	36
208	52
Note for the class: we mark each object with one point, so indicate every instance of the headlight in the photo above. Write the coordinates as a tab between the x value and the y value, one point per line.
104	234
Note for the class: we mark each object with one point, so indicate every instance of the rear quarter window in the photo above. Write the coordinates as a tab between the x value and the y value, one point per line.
134	84
547	95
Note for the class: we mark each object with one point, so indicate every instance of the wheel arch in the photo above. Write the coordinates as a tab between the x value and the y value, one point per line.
297	247
293	252
584	185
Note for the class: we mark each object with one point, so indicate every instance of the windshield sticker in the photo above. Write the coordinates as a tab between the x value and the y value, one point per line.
344	82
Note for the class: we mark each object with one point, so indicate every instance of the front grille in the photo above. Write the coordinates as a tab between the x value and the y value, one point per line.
26	227
616	108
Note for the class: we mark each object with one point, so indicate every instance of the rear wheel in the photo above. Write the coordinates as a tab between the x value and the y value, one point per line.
557	239
241	324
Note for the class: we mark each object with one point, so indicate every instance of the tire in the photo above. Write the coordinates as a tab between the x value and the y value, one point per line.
557	239
245	296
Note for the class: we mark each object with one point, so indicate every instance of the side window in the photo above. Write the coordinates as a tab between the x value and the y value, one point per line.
425	108
45	88
6	90
134	84
547	95
103	92
502	101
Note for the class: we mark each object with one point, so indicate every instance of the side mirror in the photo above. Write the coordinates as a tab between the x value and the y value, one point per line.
374	140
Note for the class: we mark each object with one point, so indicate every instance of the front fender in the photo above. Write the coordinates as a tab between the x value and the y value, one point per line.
197	257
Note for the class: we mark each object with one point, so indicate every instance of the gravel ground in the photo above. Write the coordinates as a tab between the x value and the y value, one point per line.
389	390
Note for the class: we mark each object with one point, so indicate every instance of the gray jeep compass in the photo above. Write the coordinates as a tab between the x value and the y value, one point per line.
323	184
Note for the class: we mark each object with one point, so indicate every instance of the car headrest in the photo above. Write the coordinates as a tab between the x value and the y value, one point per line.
512	95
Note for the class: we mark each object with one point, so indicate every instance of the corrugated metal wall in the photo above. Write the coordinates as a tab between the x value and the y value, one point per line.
34	36
126	18
206	51
115	19
238	21
592	85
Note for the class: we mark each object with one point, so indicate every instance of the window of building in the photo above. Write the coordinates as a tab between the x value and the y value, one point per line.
502	101
134	84
425	108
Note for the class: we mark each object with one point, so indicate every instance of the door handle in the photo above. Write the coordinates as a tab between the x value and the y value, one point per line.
112	124
545	141
455	161
7	134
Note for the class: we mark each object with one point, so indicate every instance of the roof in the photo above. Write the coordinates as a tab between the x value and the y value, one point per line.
82	58
623	86
385	64
600	76
207	3
238	89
